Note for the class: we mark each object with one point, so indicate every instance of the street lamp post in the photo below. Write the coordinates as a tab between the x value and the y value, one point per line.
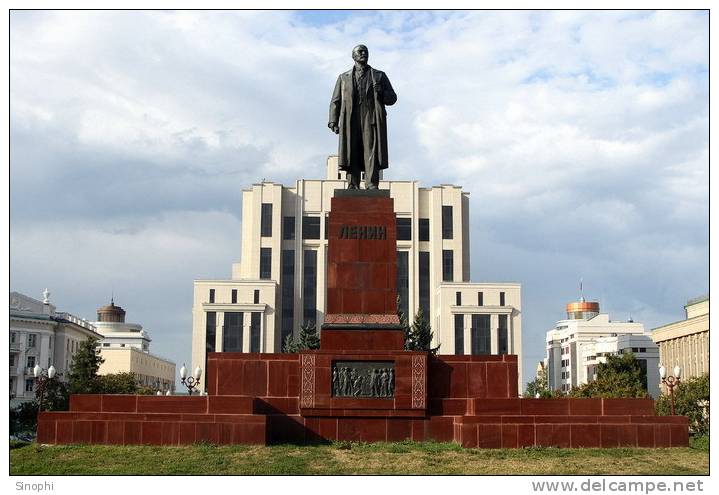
43	377
670	381
191	382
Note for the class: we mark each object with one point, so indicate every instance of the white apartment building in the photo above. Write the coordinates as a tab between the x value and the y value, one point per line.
41	335
685	343
576	346
125	347
280	281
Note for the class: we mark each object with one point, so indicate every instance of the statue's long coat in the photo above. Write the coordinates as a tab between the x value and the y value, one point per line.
341	113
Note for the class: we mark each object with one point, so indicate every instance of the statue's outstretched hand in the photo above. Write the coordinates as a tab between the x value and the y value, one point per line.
335	128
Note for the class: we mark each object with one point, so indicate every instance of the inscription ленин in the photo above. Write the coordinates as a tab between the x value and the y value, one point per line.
378	232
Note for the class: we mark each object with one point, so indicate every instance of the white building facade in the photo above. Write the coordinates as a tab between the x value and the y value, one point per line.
41	335
577	345
125	347
280	282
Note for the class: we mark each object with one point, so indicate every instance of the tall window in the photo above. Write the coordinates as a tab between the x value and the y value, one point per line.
404	229
459	334
309	288
266	220
424	229
256	296
212	295
447	265
424	283
480	298
481	339
29	385
210	331
234	296
502	334
403	281
32	340
310	227
501	298
458	298
288	292
447	225
288	228
255	318
232	332
31	361
265	263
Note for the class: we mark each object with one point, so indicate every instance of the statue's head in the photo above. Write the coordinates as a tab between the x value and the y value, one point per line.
360	54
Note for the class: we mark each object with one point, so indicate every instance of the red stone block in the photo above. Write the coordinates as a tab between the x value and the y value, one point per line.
525	436
628	406
255	378
351	301
552	435
545	406
585	435
82	432
276	405
207	432
170	433
419	430
374	430
509	436
151	432
662	436
86	402
171	404
645	436
458	383
373	301
497	406
676	420
440	429
627	435
115	433
293	385
399	429
251	434
225	433
497	381
468	435
46	430
609	435
490	436
186	432
448	407
119	403
349	429
230	404
480	419
196	418
585	407
679	436
613	419
99	431
63	431
518	420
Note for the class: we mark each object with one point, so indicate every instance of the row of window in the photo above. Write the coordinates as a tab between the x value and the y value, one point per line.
311	226
233	331
480	298
233	297
481	340
31	339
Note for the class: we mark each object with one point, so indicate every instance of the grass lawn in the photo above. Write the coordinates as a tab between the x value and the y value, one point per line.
352	458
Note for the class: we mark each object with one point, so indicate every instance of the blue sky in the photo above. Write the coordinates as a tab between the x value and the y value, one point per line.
582	138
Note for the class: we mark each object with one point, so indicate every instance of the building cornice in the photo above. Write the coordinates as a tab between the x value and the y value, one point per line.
247	307
697	324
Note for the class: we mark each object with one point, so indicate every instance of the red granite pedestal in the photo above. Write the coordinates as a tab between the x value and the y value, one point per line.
270	398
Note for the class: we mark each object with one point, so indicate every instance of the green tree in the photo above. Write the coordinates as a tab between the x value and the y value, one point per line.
419	335
308	339
118	383
691	399
621	376
540	386
82	377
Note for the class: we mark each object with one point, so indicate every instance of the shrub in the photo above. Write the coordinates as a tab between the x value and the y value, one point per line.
691	399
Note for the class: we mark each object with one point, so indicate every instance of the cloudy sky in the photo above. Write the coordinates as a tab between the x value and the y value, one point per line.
581	136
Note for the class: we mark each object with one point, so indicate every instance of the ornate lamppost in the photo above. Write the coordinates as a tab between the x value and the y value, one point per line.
670	381
191	382
43	377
